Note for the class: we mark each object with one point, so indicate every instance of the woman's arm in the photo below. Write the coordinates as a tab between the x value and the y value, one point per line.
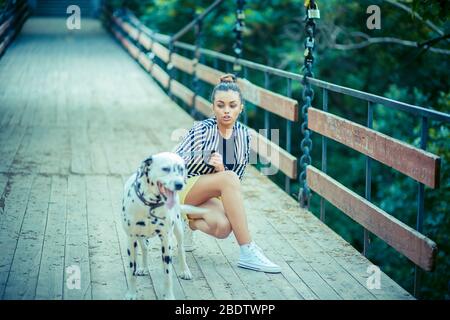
191	144
242	164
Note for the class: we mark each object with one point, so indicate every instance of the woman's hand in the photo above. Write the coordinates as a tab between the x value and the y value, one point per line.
217	162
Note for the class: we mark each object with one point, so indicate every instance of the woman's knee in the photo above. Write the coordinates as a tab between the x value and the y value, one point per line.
230	178
223	228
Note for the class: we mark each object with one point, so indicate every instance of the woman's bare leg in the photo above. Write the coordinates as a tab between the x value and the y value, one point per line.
215	222
227	185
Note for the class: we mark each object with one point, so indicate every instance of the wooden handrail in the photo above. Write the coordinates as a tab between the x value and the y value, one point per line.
418	164
411	243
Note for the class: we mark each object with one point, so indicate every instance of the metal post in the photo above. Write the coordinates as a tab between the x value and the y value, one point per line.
266	113
287	180
420	205
169	68
324	154
197	56
368	186
245	116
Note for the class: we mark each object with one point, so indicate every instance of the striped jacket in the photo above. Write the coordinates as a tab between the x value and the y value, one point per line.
204	138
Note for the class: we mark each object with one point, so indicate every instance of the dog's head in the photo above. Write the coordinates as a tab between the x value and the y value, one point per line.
166	174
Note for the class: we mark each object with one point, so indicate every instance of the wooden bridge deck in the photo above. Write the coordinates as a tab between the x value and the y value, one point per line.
77	116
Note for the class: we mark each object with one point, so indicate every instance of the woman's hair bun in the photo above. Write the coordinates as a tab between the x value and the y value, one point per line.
228	78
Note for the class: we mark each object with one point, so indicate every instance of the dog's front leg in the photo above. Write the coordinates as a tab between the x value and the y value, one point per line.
131	270
167	263
142	269
186	273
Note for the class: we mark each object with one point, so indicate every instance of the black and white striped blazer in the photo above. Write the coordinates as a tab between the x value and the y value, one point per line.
204	138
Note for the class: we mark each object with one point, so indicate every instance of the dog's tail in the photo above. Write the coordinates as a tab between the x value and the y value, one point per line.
185	208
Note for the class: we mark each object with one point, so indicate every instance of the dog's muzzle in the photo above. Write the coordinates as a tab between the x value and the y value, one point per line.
168	191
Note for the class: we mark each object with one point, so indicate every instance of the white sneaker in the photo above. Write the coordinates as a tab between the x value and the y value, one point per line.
253	258
188	238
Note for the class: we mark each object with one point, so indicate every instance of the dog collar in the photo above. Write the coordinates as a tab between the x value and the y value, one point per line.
152	204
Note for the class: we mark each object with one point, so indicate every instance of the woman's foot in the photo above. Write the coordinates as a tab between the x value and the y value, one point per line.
252	257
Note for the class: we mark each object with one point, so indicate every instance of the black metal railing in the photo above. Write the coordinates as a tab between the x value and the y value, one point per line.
11	20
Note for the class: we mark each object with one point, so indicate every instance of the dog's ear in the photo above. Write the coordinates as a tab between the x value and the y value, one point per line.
148	162
145	166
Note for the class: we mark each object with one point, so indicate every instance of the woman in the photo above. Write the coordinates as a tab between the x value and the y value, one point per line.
216	152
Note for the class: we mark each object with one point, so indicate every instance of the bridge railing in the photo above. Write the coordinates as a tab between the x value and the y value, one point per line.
11	21
151	51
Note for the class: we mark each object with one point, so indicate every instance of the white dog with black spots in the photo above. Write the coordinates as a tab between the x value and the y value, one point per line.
151	207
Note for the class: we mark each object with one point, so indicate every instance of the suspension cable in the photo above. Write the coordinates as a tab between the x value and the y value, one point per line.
312	13
238	29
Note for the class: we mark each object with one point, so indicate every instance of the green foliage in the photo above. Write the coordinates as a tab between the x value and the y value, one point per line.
274	36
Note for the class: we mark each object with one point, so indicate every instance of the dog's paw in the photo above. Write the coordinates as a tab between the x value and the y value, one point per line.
131	296
186	275
141	272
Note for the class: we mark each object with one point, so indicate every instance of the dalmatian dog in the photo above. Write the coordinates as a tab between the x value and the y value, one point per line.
151	208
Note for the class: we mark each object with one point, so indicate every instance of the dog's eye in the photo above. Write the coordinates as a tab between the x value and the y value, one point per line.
166	169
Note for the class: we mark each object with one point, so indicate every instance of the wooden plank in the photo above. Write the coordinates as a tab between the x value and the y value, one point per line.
276	103
416	163
145	61
277	250
258	284
161	52
315	241
319	271
24	271
14	204
11	137
144	284
77	242
51	272
133	50
145	41
204	106
182	92
183	63
96	146
80	155
5	189
131	30
156	272
418	248
159	74
273	154
197	288
26	160
220	276
50	148
208	74
104	251
345	255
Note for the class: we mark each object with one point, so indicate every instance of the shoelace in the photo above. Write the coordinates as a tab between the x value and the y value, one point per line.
258	253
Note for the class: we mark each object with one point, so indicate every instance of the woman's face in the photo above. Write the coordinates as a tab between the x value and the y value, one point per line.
227	106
